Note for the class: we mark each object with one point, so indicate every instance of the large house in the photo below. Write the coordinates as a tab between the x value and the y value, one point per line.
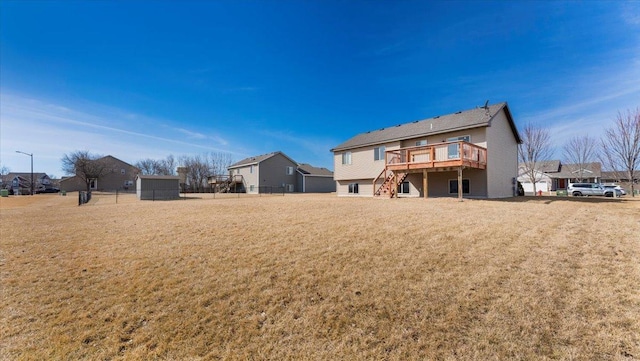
117	175
20	183
472	153
274	172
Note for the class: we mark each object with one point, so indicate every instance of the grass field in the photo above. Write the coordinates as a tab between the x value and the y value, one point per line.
321	278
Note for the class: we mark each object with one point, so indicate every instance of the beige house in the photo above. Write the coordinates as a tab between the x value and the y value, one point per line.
117	175
472	153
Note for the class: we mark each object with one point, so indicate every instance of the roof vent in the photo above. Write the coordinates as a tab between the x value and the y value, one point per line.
458	112
398	125
436	117
416	121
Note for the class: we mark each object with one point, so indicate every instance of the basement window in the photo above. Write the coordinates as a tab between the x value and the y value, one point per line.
404	188
453	186
353	188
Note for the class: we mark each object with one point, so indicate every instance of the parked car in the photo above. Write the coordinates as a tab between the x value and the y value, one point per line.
592	189
585	189
618	188
48	190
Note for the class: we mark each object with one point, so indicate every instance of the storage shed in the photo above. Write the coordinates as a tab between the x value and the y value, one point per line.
155	187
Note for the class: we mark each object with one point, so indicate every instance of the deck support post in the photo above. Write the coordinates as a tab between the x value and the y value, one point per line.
393	184
460	184
425	184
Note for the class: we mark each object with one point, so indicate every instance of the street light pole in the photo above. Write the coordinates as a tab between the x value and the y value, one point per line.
30	155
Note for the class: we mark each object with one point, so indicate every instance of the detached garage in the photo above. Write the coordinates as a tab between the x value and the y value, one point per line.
157	187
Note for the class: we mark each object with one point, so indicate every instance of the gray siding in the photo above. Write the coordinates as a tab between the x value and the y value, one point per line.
157	188
316	184
502	158
439	183
273	173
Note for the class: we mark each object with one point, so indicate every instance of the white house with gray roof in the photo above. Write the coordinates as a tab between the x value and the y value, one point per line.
472	153
276	172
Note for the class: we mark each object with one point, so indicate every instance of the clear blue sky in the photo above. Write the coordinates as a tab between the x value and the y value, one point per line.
147	79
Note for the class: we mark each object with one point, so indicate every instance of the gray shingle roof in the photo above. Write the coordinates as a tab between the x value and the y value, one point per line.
549	166
571	170
257	159
472	118
253	160
308	169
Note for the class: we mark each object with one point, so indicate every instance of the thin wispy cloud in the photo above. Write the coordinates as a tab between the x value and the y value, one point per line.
190	134
50	130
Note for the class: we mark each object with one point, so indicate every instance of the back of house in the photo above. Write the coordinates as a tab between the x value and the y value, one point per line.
474	152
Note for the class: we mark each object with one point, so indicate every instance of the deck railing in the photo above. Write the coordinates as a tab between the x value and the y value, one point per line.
447	154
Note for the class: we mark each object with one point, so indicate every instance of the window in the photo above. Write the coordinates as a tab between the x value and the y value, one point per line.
93	184
251	188
128	183
421	142
122	171
453	186
289	170
452	149
346	158
289	187
238	171
378	153
353	188
403	188
251	169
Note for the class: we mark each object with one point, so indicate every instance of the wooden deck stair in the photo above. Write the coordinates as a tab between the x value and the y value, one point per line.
389	186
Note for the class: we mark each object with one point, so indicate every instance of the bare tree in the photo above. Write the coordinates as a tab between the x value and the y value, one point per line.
147	166
219	162
621	146
534	149
169	165
578	153
200	167
85	166
157	167
4	170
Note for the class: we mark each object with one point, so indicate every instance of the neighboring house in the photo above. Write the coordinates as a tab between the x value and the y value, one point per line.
156	187
618	177
552	175
20	183
273	172
472	153
119	175
315	180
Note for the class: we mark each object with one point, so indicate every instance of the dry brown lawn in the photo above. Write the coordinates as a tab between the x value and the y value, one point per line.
319	277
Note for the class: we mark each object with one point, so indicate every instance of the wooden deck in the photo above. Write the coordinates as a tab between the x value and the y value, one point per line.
440	155
449	156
